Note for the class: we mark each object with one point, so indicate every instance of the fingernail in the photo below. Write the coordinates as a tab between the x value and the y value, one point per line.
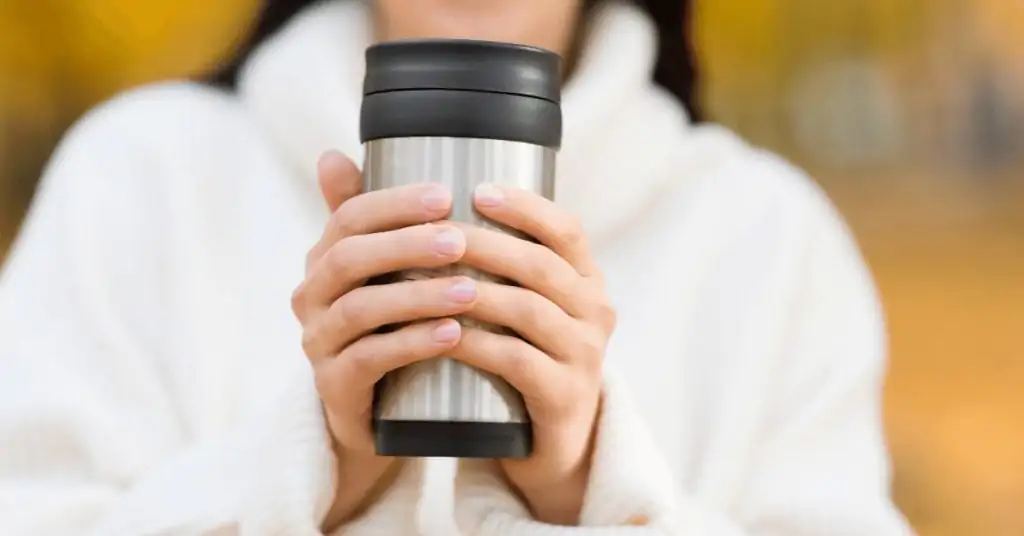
327	156
488	195
436	198
463	291
450	241
447	332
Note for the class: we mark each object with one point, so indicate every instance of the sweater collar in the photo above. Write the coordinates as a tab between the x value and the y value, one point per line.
304	86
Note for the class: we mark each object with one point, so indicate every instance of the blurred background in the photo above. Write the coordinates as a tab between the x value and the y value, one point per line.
909	112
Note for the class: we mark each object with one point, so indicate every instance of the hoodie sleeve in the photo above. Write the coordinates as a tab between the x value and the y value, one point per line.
814	464
95	437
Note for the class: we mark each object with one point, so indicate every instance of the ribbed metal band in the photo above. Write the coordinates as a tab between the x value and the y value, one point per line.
443	389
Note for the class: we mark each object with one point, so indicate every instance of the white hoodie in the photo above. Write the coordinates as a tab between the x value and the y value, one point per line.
152	381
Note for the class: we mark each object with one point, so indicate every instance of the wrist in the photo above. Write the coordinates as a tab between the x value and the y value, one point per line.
555	492
559	502
359	480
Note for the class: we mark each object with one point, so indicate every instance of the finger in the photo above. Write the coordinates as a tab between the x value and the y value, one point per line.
339	179
384	210
366	309
527	369
367	360
531	265
540	218
532	316
350	262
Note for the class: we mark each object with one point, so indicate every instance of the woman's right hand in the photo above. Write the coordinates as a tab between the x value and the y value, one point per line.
372	234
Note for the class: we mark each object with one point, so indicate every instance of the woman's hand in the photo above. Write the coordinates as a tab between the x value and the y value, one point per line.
565	321
368	235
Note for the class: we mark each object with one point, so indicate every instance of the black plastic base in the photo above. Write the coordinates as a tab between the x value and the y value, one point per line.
448	439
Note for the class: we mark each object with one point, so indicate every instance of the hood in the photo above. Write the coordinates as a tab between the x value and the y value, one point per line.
620	131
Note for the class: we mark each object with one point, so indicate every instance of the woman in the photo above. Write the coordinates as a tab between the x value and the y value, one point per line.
155	380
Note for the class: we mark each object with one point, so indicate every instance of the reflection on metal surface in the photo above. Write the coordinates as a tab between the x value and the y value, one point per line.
443	389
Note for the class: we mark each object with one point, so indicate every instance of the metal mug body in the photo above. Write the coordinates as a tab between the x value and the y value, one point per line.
442	389
463	113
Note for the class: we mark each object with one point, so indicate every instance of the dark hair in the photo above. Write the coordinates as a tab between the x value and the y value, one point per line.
675	70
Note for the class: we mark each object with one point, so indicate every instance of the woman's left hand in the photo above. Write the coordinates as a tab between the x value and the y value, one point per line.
561	313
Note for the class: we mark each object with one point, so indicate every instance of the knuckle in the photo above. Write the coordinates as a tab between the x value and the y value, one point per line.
337	258
361	364
399	300
311	343
607	316
571	234
519	361
342	224
348	310
533	310
299	301
540	270
592	352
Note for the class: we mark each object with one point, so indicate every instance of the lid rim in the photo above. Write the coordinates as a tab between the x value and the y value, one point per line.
462	64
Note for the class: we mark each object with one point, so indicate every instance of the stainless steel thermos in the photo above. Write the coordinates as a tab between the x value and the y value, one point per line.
461	113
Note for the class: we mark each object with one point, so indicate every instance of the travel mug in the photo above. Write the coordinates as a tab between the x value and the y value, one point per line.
460	113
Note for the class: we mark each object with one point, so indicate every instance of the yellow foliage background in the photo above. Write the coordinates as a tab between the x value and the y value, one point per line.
945	238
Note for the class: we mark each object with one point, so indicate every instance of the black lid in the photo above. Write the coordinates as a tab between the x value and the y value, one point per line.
464	65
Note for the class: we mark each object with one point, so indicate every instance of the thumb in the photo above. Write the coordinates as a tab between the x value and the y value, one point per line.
339	179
